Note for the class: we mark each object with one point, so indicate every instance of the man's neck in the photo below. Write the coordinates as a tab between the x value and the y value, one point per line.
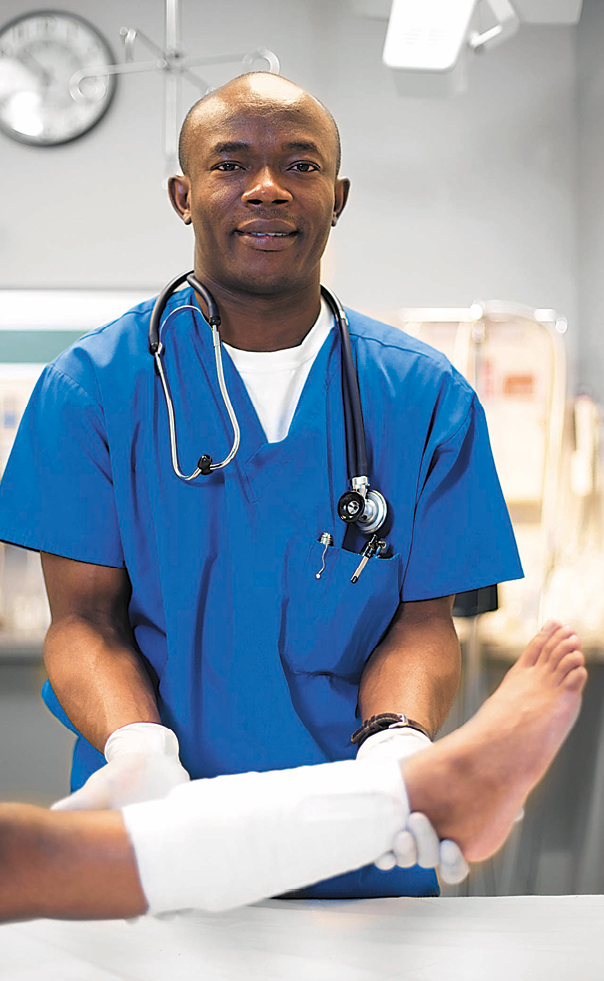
264	323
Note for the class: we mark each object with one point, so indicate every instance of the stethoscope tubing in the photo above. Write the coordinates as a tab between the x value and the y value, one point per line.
356	447
223	391
356	452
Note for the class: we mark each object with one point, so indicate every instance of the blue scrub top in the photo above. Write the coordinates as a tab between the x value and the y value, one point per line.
255	661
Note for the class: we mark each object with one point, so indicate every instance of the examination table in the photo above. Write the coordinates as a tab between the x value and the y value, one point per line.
462	939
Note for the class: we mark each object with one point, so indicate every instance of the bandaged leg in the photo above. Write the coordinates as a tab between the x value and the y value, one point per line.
220	843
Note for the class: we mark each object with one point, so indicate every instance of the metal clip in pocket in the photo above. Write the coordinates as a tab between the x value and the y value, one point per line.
326	539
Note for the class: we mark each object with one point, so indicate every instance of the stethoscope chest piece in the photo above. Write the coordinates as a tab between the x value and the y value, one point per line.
368	511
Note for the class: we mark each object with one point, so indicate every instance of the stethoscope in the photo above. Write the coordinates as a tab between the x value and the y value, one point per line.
359	505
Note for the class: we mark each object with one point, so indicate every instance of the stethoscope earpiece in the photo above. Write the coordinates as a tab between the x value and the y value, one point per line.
204	465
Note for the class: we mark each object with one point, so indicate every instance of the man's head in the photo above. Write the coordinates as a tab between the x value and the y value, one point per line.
262	80
260	159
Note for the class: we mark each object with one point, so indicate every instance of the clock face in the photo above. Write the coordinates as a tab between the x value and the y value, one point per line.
39	54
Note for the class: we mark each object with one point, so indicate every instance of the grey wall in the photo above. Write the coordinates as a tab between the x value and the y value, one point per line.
461	198
93	212
35	749
590	115
452	200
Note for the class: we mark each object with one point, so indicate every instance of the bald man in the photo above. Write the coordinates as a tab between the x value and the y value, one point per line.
212	626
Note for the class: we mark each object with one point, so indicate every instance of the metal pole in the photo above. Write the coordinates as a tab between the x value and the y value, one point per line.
172	36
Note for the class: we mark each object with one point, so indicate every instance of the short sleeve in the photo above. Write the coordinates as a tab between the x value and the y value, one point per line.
57	492
462	534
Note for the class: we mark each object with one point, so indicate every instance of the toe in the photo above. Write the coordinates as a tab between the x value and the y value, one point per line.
575	680
568	645
533	650
553	648
569	663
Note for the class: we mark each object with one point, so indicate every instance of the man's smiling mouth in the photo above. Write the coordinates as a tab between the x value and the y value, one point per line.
267	228
268	234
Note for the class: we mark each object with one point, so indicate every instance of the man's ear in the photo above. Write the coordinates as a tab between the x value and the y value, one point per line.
342	190
178	192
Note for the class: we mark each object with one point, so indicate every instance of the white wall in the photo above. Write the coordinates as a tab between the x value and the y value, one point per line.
452	200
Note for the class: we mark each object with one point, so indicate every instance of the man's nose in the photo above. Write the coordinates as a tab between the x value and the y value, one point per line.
266	187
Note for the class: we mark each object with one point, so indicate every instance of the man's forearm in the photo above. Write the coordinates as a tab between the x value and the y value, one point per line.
416	668
56	864
98	677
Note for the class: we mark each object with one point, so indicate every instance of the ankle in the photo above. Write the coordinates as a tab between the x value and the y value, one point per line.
442	781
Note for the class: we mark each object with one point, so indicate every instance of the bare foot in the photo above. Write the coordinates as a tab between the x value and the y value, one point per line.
472	783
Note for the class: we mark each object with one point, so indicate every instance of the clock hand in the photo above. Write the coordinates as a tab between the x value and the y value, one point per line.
26	57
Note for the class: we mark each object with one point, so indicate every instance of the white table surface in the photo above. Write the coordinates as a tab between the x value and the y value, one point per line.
495	939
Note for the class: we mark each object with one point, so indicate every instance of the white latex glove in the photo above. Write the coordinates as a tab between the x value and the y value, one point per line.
418	843
142	764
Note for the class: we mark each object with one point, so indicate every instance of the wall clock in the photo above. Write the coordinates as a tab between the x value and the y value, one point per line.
39	53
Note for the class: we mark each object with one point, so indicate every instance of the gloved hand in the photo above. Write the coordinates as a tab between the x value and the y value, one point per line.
418	843
142	764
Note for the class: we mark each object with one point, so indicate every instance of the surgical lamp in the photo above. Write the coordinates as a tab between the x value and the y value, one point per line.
430	43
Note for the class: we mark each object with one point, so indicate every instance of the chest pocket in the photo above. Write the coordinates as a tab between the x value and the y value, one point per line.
330	625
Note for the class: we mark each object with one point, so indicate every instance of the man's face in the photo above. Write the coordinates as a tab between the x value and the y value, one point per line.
262	189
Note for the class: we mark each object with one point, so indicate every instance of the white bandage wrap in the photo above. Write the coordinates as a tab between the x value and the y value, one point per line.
220	843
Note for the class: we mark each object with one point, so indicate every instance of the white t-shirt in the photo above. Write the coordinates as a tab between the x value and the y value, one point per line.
275	379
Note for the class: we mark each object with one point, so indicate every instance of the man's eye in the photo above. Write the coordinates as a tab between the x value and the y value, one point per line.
304	167
227	166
